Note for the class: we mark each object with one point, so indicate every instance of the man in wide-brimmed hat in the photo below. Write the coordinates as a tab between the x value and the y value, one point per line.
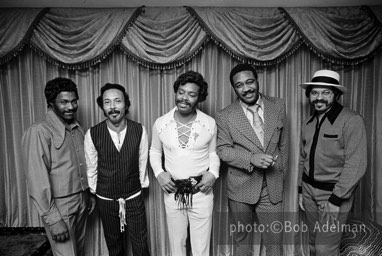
332	161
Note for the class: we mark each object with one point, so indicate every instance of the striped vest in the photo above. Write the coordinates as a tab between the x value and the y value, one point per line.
118	172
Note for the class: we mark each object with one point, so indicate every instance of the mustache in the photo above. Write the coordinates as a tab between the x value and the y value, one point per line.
113	111
183	101
320	101
250	91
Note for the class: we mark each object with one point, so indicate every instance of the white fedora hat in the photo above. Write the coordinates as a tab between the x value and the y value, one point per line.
325	78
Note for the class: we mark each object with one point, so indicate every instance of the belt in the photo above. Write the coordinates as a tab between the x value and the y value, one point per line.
122	208
327	186
185	190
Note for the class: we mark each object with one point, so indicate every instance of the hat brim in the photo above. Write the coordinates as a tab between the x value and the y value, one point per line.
306	85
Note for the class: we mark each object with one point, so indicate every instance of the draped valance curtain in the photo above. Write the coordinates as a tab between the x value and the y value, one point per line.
145	49
163	38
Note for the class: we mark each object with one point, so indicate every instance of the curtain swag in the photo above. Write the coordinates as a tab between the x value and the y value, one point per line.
163	38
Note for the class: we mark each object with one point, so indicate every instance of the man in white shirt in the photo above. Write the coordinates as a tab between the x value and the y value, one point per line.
187	137
116	152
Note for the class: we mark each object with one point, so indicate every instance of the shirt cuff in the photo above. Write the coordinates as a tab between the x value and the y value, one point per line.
335	200
92	191
52	216
145	183
159	172
251	165
215	173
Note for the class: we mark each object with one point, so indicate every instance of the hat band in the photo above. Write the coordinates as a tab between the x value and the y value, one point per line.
325	79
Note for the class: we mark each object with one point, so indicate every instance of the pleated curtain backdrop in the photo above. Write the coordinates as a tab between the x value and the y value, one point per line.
147	68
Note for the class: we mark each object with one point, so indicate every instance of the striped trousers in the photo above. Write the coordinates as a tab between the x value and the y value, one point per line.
135	229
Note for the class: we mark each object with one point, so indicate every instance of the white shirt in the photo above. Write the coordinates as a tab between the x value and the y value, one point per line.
91	156
199	154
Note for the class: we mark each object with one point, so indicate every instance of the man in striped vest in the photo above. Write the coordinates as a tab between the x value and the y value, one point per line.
116	153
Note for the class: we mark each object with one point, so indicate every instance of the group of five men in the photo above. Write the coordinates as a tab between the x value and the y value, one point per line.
70	172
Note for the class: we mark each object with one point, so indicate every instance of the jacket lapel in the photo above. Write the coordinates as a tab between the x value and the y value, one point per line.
240	121
270	120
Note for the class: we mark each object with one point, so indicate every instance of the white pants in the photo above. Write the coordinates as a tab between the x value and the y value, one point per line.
199	216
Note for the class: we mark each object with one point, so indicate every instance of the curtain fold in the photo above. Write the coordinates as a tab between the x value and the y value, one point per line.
163	38
157	45
16	27
22	102
77	38
262	35
338	34
377	11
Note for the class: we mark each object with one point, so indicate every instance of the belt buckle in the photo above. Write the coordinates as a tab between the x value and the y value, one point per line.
193	182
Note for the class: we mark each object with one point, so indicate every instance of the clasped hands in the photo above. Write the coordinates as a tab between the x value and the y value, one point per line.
168	186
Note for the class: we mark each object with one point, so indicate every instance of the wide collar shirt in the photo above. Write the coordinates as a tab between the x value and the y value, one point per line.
55	163
199	154
333	150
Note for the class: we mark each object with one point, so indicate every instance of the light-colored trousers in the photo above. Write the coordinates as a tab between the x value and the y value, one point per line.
199	217
73	211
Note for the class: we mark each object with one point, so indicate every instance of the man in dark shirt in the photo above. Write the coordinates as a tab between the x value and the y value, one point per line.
332	161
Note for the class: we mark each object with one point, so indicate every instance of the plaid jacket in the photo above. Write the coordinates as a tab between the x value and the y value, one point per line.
236	143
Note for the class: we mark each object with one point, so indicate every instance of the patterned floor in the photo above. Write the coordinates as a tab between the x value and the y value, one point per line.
361	238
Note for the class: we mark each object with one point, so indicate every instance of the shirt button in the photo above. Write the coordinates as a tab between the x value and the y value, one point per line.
80	164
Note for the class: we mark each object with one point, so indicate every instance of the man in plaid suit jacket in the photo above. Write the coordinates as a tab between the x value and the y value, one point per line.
257	157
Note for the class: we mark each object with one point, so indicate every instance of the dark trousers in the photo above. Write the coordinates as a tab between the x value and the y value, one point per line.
135	228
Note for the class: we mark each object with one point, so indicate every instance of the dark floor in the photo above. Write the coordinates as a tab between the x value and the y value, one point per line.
48	253
24	242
